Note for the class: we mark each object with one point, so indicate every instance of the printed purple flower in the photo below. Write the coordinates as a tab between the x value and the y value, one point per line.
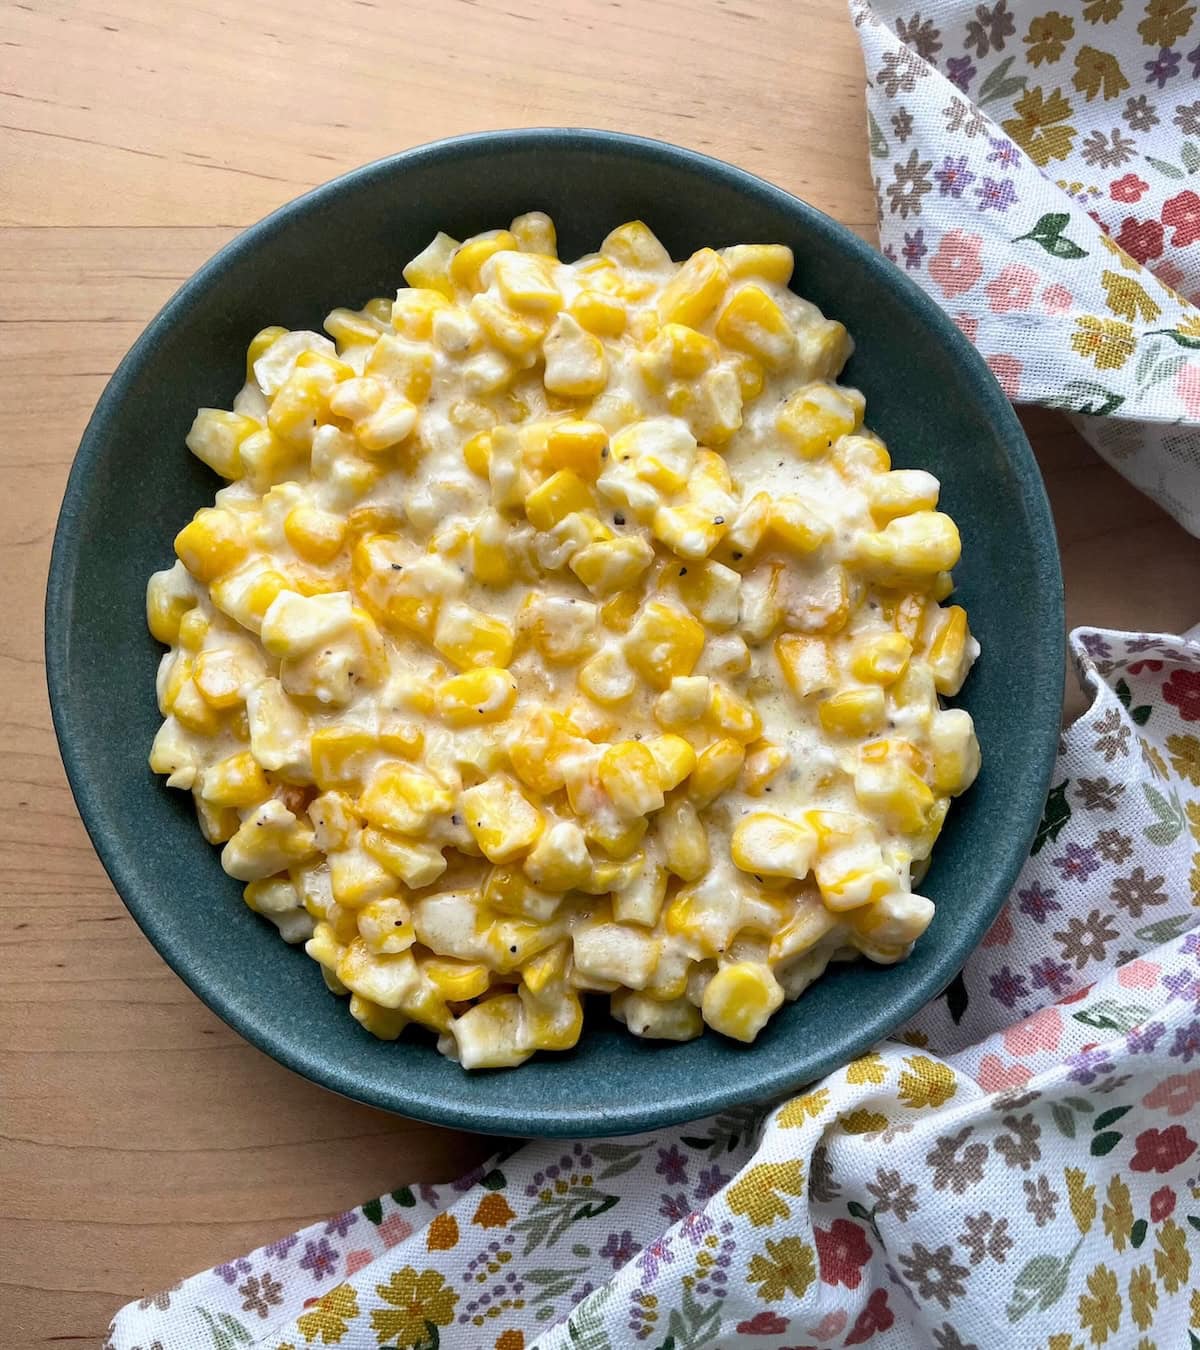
696	1226
232	1271
990	27
1142	1040
960	70
673	1166
674	1207
1191	945
1186	1045
1194	57
342	1223
1052	975
996	194
1164	67
1037	903
655	1256
1077	864
953	178
465	1183
1092	643
1008	986
914	248
889	252
1004	152
710	1182
281	1248
1180	984
319	1258
429	1193
619	1248
1088	1065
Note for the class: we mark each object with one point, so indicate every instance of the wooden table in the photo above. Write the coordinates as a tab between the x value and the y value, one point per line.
141	1138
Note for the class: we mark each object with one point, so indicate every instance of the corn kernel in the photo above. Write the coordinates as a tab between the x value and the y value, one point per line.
894	791
385	925
695	290
612	565
900	493
403	798
235	782
619	838
490	1035
215	436
764	762
797	526
430	269
739	1000
559	860
501	819
684	843
806	664
617	952
469	638
910	548
317	536
576	366
950	648
601	314
270	840
356	878
516	335
753	323
561	494
853	712
168	598
485	694
390	424
576	446
954	751
816	416
388	980
212	544
674	759
219	678
773	846
689	530
413	310
470	256
260	344
629	774
664	642
770	262
635	245
523	279
534	232
717	768
731	714
881	659
416	864
508	892
640	900
385	1024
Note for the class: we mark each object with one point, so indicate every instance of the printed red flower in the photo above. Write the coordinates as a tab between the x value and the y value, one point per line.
1138	666
1162	1204
1128	189
1162	1150
764	1324
876	1316
1183	212
1183	690
842	1251
1141	239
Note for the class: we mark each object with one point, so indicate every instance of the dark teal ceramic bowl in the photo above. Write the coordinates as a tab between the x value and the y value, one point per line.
134	484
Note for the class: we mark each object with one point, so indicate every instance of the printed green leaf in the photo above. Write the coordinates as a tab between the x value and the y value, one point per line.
1109	1015
1063	1119
234	1328
1190	154
999	85
1041	1282
957	998
593	1209
691	1141
404	1197
373	1209
554	1283
1080	1104
1121	689
859	1211
1055	816
1164	930
1194	1221
431	1340
878	141
1048	233
1141	715
1088	398
1147	357
1193	1341
1176	336
1104	1144
1171	170
494	1181
1107	1118
1171	820
580	1250
1165	370
585	1326
1137	1234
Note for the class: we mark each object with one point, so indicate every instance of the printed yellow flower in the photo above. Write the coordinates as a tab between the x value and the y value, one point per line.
1117	1213
330	1316
1048	35
1128	298
1107	342
756	1193
1143	1296
863	1121
1189	326
1082	1198
808	1106
1194	880
786	1266
1166	21
1098	72
1172	1262
925	1082
870	1068
1153	760
416	1300
1063	1341
1128	263
1100	1308
1102	11
1185	750
1036	128
1196	1307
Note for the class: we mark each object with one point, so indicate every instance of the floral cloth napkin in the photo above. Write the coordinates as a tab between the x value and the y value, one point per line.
1037	167
1020	1167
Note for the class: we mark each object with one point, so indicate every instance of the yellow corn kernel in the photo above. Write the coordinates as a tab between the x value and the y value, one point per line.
664	642
635	245
490	1034
711	405
471	255
797	526
390	424
524	281
717	769
507	892
891	789
193	629
235	782
403	798
430	269
907	613
822	348
629	774
534	232
477	453
674	759
545	971
861	457
414	863
192	711
267	458
612	564
403	367
909	548
316	535
217	824
601	314
516	335
576	366
711	592
385	925
683	840
357	398
615	952
753	323
900	493
413	310
915	694
740	998
771	262
853	712
773	846
577	446
485	694
552	1024
563	629
501	819
259	344
168	598
810	923
750	376
335	820
341	756
763	764
491	564
950	648
880	659
212	544
351	328
695	290
886	929
815	417
731	714
219	678
468	638
677	352
215	436
537	754
806	664
357	878
384	1024
619	839
551	501
559	860
270	840
455	981
389	980
954	751
943	586
690	531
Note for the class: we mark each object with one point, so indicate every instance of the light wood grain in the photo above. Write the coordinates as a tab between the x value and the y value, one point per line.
142	1140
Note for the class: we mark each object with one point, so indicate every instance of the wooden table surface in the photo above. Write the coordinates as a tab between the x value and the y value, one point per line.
140	1139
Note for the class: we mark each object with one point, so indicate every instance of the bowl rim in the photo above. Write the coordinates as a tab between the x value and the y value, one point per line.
704	1097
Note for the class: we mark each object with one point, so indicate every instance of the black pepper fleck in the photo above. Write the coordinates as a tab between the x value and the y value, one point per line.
737	557
397	567
683	571
718	520
513	950
456	819
618	520
604	453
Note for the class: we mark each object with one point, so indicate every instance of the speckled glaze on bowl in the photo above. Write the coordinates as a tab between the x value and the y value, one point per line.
134	484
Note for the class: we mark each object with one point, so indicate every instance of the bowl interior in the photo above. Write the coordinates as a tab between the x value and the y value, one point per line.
134	484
